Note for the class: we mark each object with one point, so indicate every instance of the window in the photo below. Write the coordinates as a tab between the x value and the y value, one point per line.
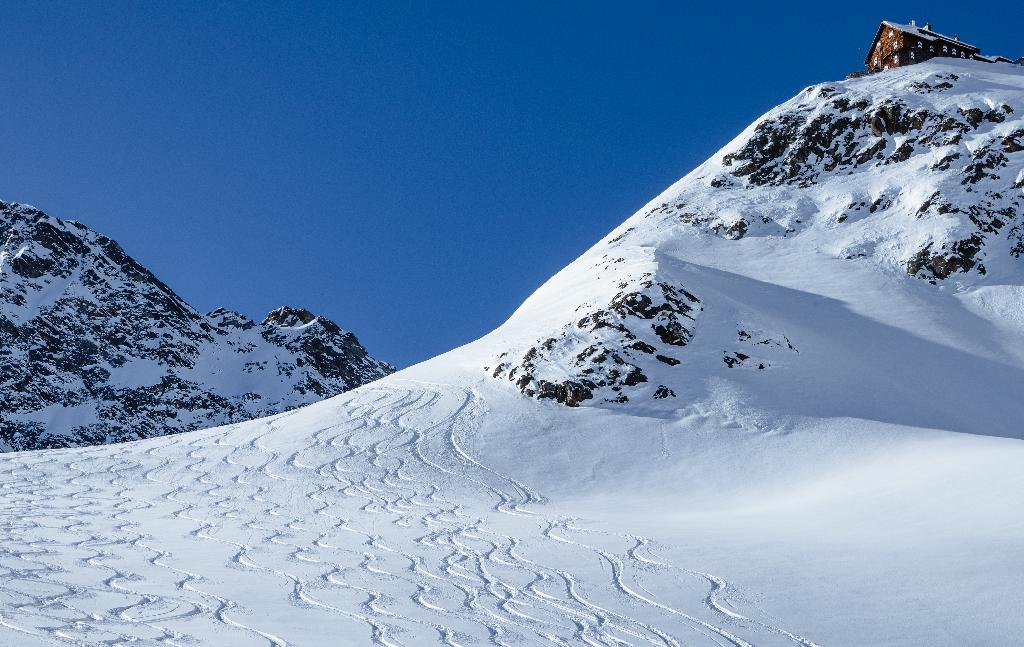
911	54
962	54
945	49
931	48
920	45
954	51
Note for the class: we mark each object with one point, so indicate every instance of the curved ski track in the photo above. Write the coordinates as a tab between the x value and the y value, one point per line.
378	527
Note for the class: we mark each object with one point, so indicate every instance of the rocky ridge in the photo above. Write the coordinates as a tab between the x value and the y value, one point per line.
95	349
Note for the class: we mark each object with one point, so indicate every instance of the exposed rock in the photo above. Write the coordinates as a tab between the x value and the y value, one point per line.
608	348
663	392
735	359
737	230
1014	142
959	256
797	146
839	131
287	317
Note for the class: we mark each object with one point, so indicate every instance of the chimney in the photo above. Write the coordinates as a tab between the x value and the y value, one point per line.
913	23
927	26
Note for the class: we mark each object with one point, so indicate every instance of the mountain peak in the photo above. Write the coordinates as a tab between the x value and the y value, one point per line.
288	317
226	319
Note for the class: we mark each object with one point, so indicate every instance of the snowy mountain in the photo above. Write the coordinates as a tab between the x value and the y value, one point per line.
914	177
95	349
777	406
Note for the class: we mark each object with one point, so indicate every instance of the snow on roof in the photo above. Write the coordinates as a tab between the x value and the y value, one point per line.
928	34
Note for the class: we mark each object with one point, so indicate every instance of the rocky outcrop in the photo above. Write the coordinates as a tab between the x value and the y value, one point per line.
332	356
836	130
609	349
95	349
841	130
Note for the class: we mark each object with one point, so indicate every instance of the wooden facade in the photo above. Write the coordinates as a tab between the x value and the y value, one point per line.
897	45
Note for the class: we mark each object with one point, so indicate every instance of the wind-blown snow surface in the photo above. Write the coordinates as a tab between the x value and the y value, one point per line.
864	487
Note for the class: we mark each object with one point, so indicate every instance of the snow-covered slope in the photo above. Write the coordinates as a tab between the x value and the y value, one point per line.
95	349
826	452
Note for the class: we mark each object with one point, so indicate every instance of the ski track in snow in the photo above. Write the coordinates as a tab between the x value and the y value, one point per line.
380	528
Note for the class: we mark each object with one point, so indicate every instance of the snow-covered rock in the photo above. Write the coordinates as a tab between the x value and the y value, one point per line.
95	349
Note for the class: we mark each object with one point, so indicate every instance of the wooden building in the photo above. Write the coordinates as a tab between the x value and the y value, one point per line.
897	45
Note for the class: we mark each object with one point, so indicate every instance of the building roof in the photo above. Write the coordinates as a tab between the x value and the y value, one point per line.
928	34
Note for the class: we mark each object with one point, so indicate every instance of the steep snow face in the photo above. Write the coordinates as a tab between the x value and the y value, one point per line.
95	349
893	199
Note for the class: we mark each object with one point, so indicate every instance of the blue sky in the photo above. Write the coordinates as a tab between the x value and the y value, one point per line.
411	170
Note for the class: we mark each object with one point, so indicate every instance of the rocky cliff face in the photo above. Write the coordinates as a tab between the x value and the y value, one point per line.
913	175
95	349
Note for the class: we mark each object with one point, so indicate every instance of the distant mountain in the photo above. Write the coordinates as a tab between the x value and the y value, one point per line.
95	349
